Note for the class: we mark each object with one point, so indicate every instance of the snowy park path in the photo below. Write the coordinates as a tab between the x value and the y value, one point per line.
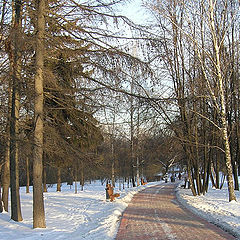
155	213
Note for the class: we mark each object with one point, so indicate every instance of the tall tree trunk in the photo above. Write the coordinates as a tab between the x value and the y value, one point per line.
132	177
206	162
75	179
190	179
6	176
27	175
38	203
132	154
119	184
217	169
16	214
113	171
138	182
234	154
238	149
138	148
58	179
235	173
222	104
1	202
112	151
234	67
208	174
6	166
132	136
14	169
196	165
44	179
231	192
82	175
76	175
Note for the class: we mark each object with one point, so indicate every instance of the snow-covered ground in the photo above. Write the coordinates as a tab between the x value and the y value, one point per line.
87	215
214	207
70	216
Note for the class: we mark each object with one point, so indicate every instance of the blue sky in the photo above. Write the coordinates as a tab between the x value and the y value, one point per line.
134	11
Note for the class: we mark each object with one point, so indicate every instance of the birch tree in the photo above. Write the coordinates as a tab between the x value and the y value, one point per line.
196	32
218	42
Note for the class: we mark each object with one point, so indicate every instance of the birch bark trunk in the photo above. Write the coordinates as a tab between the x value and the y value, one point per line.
222	107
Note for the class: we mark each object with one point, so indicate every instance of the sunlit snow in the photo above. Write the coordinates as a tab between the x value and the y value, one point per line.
87	214
214	207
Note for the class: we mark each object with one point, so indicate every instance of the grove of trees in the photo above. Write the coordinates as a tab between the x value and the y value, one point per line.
86	94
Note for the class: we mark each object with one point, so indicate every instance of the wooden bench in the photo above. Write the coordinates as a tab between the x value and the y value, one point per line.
142	182
109	193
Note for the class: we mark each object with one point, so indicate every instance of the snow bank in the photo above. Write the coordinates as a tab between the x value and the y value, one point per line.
214	207
85	215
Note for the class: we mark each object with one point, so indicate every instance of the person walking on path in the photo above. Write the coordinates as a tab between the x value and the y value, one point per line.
155	214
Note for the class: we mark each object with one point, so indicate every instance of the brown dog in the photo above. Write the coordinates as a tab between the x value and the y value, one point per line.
113	196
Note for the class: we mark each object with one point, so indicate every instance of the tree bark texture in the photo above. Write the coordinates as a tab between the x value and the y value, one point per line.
38	203
6	166
223	110
44	179
16	214
6	177
1	202
14	168
27	175
58	179
82	175
231	192
113	172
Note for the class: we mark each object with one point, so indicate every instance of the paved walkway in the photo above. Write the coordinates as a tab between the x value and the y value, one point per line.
155	214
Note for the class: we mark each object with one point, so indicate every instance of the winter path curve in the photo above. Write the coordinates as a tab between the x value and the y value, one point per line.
155	214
